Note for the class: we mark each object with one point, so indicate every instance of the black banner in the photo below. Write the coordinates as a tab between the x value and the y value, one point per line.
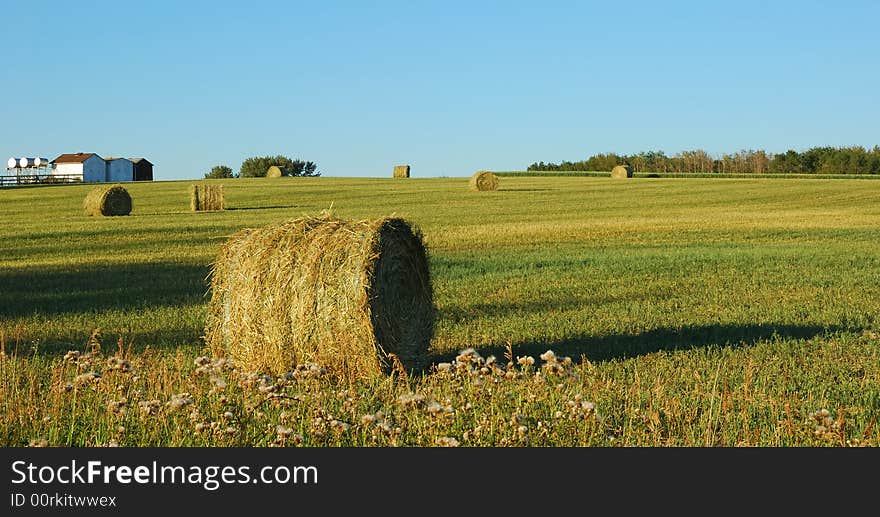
134	481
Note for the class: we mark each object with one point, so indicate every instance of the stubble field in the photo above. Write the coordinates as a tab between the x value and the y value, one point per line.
679	312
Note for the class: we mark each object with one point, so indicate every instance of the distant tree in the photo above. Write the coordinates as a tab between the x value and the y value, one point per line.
813	158
788	162
875	160
823	160
655	161
220	171
310	169
256	166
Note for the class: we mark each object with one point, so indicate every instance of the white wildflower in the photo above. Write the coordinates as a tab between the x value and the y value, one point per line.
116	407
446	441
525	361
180	400
411	400
87	377
149	407
218	382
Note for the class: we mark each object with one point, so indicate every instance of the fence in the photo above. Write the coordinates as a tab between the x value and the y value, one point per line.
39	179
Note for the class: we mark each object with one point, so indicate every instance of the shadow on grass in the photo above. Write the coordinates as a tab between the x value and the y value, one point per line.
461	314
168	338
48	291
66	304
260	207
607	348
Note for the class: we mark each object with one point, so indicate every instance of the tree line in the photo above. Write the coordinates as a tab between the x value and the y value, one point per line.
258	166
816	160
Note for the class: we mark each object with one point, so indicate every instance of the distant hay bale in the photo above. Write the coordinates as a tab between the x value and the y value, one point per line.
107	200
622	171
206	197
401	171
343	294
483	180
273	172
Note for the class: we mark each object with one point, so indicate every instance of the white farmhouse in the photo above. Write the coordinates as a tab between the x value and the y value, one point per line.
89	166
119	169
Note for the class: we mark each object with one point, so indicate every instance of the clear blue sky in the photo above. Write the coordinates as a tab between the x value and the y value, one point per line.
448	87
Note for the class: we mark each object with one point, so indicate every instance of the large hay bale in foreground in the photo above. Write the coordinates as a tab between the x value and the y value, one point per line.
343	294
401	171
483	180
107	200
274	172
622	171
206	197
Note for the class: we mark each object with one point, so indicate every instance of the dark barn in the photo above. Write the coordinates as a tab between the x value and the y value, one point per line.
143	169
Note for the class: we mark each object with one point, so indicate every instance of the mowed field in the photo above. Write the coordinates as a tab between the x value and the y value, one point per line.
695	312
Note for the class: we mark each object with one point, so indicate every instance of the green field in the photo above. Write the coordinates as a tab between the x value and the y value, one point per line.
696	312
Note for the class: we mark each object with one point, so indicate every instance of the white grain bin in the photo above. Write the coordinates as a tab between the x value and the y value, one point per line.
12	163
25	162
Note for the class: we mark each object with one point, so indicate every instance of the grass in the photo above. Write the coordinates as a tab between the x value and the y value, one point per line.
695	313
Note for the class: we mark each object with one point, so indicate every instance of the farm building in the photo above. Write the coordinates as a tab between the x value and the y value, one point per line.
119	169
89	166
92	168
143	169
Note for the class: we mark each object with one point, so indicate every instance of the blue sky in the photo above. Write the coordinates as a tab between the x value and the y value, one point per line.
447	87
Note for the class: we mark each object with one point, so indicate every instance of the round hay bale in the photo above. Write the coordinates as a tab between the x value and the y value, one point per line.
622	171
401	171
107	200
206	197
343	294
483	180
273	172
